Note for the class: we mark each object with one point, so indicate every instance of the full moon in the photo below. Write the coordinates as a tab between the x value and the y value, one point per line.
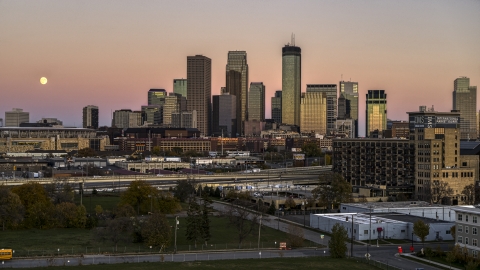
43	80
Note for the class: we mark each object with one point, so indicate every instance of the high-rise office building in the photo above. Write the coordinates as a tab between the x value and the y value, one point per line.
256	102
90	117
180	87
237	85
184	119
199	90
15	117
349	91
173	103
330	91
291	84
313	110
156	96
224	113
277	107
376	111
465	101
153	114
127	118
436	136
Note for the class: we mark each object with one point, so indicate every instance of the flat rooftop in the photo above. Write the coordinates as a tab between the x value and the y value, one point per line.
405	204
407	218
375	218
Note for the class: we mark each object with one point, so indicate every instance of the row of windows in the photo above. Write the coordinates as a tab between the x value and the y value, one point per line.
474	229
460	218
466	242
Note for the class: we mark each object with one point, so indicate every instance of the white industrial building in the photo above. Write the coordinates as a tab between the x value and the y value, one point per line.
381	225
413	208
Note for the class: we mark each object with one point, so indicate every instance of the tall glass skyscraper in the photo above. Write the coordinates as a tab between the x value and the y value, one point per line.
199	90
291	84
156	96
277	107
349	90
180	87
465	100
313	112
330	91
376	111
256	102
237	85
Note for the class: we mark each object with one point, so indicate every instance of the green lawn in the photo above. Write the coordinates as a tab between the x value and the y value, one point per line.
80	241
108	201
325	263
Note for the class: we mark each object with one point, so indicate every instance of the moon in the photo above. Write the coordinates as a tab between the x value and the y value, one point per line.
43	80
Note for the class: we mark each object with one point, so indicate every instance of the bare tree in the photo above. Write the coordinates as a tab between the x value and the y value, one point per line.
242	219
440	192
469	193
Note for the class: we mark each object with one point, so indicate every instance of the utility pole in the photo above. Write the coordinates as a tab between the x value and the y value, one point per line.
176	227
351	243
259	227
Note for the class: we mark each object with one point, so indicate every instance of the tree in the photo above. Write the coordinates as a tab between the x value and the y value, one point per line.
38	207
156	151
295	236
166	203
11	208
290	203
242	219
184	189
311	149
60	190
453	232
421	229
156	231
333	191
194	221
117	230
124	210
205	225
87	152
139	195
271	209
337	243
440	192
469	193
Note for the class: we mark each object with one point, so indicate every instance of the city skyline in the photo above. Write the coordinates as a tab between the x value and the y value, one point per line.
109	54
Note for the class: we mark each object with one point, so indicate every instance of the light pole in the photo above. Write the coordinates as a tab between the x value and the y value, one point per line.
369	232
304	204
259	227
176	228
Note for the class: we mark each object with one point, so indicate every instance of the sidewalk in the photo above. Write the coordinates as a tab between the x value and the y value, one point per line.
427	261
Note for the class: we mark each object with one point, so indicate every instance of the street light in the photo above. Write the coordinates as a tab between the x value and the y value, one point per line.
176	228
304	204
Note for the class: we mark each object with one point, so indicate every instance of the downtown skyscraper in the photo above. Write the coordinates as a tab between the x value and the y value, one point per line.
291	84
349	91
330	91
237	85
465	101
376	111
277	107
90	117
199	90
256	102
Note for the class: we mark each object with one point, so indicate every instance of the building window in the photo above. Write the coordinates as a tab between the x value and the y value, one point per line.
474	230
365	232
466	216
474	253
474	242
466	229
460	228
459	215
466	240
459	239
474	219
448	232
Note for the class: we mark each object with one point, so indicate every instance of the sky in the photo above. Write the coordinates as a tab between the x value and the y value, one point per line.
110	53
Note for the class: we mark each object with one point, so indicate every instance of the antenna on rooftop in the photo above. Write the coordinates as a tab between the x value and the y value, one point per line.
293	39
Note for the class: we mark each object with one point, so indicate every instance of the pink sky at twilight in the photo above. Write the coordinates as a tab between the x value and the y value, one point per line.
110	53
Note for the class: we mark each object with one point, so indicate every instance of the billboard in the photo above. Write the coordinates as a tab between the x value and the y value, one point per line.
298	156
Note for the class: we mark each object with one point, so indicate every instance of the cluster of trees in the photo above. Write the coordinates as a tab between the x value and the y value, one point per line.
32	205
332	191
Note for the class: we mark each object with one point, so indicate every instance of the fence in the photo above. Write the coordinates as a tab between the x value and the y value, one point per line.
140	249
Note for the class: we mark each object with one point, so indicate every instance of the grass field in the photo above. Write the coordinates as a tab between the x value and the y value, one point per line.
108	201
80	241
280	263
